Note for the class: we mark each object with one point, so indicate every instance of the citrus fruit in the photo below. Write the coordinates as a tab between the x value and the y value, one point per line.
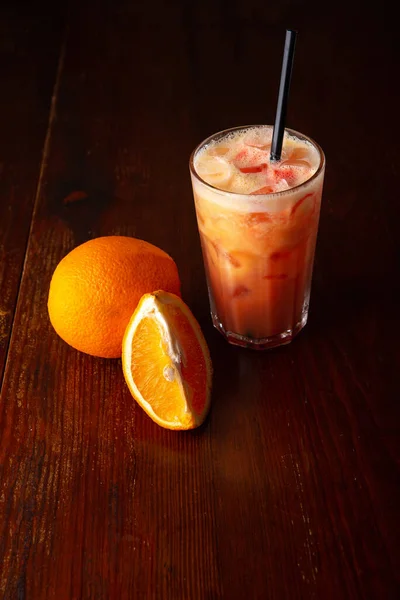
166	362
97	286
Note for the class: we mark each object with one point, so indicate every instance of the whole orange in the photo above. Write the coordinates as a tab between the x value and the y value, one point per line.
97	286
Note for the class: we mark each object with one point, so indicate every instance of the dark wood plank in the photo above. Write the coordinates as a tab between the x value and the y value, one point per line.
29	49
76	440
290	489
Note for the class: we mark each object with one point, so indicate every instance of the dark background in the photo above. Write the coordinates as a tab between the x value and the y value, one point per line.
290	489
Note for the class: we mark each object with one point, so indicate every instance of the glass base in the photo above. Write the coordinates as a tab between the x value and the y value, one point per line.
279	339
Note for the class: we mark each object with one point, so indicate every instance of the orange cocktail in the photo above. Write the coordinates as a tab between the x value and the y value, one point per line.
258	223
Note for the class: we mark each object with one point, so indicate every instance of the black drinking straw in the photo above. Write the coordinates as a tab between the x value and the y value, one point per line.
283	96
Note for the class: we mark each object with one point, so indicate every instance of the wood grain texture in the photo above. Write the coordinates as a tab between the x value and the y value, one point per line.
290	489
29	47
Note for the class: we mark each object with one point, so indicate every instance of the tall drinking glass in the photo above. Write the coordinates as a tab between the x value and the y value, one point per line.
258	224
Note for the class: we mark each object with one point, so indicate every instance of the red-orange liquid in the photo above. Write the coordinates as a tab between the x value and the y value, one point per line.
259	271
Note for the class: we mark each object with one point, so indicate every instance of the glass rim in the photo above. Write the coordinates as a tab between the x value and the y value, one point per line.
210	138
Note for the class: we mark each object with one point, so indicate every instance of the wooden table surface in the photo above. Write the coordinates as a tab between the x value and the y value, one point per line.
290	490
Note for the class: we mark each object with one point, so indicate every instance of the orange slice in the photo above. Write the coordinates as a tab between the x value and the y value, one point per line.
166	362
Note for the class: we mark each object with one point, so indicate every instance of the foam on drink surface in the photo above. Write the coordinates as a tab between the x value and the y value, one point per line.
240	162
